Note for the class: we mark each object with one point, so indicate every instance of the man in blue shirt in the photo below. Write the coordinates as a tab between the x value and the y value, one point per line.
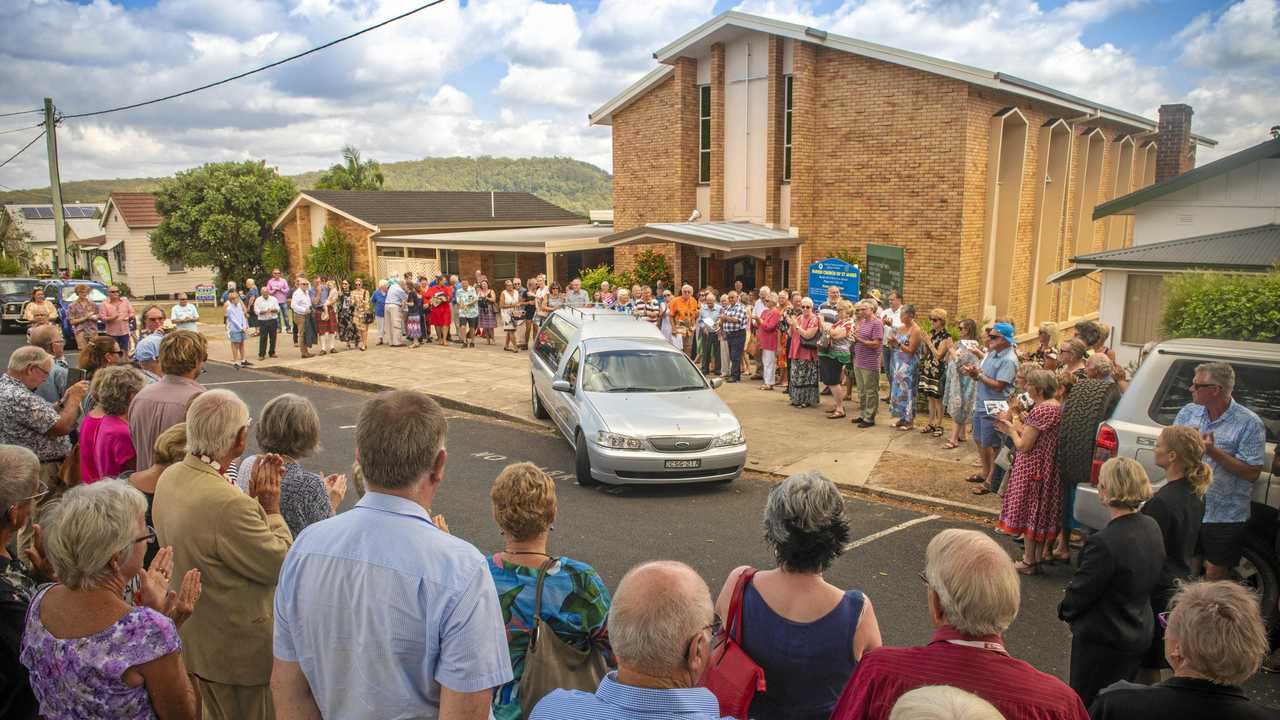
995	383
379	612
733	328
397	296
656	679
1235	446
708	343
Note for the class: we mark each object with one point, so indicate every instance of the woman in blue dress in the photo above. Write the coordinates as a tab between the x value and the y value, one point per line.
575	601
906	343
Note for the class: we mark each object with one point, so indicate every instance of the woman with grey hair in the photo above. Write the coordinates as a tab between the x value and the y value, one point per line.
20	490
1032	503
290	427
806	633
89	652
106	446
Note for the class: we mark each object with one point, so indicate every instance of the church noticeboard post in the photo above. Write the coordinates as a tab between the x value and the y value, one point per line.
834	271
885	267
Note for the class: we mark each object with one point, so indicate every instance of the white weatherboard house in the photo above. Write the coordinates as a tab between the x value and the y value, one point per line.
125	240
1224	216
80	222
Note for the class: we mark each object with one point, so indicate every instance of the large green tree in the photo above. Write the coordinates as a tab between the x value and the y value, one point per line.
220	215
352	173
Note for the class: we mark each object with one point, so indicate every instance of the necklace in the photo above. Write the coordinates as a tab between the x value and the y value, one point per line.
525	552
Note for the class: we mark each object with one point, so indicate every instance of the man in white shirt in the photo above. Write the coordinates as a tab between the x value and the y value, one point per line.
892	318
396	296
267	310
300	303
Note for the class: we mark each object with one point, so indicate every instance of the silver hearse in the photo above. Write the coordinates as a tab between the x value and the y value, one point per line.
633	407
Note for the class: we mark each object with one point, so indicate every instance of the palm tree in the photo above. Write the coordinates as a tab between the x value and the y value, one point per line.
352	173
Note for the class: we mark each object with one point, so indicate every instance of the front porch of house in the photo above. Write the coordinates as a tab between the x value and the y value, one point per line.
559	252
717	254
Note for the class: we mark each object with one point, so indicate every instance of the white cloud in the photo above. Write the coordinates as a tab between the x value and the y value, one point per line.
410	89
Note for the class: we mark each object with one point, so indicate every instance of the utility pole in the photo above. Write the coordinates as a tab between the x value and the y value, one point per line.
55	186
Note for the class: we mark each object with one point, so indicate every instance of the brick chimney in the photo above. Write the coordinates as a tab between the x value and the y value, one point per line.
1175	151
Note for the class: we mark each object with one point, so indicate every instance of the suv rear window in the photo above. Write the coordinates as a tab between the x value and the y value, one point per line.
1257	388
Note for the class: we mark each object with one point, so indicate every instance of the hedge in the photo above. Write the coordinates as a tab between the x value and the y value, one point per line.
1223	306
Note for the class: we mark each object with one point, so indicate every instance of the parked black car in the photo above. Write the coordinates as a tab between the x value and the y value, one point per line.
14	295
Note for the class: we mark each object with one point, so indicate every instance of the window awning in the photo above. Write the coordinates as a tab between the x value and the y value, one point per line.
562	238
722	236
1072	273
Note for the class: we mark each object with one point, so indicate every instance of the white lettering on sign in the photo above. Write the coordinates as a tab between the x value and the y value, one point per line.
551	473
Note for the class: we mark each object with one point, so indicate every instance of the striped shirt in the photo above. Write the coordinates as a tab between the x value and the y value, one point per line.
733	317
649	310
615	701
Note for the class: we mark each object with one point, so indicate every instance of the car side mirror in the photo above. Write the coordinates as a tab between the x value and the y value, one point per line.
562	385
716	383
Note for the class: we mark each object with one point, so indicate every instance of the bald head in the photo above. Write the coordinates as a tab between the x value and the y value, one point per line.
658	609
43	337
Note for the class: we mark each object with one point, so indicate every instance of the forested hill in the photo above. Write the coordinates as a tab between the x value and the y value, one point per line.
571	184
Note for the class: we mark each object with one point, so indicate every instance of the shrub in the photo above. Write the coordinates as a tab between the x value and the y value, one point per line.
80	274
592	278
331	257
125	290
1223	306
651	266
9	267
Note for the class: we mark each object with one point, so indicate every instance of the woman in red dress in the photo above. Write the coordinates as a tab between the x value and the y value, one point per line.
1032	504
437	299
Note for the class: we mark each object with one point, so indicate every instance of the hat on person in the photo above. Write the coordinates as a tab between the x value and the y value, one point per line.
146	352
875	295
1005	330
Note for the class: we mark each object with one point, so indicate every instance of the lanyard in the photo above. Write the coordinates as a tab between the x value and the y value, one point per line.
981	645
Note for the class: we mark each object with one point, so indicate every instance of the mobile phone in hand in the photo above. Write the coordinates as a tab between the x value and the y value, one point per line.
74	375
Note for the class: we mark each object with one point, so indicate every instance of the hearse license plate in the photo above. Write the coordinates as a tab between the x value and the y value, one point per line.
684	463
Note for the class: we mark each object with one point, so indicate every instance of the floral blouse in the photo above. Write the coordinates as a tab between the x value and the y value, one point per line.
80	314
76	678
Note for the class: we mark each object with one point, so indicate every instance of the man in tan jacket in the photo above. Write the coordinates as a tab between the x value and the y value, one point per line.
238	542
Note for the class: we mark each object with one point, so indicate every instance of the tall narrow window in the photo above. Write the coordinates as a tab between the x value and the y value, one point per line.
704	134
786	134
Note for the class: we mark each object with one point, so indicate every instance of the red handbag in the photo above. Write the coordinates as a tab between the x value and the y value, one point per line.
731	675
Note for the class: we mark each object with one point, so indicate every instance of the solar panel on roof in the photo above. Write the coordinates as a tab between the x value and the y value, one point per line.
46	213
31	213
71	212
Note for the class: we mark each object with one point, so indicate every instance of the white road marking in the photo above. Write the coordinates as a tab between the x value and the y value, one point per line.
889	531
346	427
242	382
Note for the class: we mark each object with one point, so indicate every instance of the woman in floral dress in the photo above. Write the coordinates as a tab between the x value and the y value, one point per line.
958	391
933	366
83	317
1032	506
347	330
488	310
803	386
575	601
906	343
414	316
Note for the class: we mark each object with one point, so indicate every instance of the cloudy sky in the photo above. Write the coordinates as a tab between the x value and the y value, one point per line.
518	77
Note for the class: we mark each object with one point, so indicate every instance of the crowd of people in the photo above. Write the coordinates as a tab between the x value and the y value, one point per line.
151	567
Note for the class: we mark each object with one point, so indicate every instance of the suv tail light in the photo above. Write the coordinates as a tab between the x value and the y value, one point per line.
1104	448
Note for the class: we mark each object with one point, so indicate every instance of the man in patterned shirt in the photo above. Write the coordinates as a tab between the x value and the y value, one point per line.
733	328
647	308
30	421
1235	446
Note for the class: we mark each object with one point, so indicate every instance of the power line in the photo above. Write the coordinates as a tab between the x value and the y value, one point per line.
24	149
21	129
21	112
259	69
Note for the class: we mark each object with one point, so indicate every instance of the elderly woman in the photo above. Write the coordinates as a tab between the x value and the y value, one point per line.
362	311
90	653
487	304
1032	506
807	634
1046	352
106	448
803	385
290	427
348	332
184	315
933	375
169	449
959	392
1214	641
1108	601
834	358
82	315
905	341
768	338
20	490
575	601
1071	357
942	702
236	317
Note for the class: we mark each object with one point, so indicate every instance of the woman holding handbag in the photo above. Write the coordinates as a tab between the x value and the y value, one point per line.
567	616
803	386
805	633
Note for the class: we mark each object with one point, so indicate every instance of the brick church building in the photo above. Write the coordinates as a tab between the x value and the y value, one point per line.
759	146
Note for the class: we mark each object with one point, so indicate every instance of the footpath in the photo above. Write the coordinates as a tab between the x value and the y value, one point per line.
781	440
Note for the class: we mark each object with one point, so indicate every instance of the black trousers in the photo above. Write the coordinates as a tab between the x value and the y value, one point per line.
709	346
736	339
267	337
1094	667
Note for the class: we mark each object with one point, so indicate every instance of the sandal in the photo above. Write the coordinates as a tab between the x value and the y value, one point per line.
905	428
1027	569
976	478
982	490
926	430
948	445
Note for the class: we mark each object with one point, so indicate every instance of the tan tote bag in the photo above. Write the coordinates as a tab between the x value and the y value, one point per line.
551	663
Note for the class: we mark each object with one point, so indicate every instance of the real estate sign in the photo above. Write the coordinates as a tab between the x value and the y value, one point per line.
885	267
205	292
834	271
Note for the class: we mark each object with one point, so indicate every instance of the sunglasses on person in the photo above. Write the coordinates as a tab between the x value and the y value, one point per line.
1201	386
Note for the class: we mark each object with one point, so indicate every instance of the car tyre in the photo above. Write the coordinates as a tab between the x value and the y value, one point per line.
582	462
1264	578
539	411
1090	402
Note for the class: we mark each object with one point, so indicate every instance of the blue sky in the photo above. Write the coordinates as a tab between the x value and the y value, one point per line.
518	77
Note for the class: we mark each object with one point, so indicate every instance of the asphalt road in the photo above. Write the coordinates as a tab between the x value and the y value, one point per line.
713	529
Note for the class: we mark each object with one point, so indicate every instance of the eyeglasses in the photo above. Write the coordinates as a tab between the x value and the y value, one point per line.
994	337
1201	386
716	626
41	491
150	537
1163	619
924	578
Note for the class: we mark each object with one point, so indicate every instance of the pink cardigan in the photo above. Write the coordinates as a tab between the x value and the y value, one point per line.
767	333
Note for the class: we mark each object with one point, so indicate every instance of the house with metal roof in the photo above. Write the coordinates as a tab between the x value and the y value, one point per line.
502	234
1223	216
123	242
80	220
758	147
